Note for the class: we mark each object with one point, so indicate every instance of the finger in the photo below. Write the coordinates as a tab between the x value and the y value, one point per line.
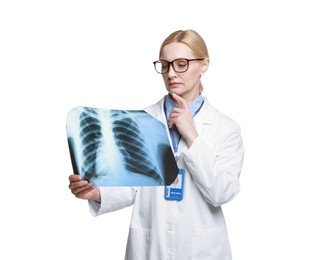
75	177
171	124
83	189
177	110
172	120
83	194
78	184
173	116
179	101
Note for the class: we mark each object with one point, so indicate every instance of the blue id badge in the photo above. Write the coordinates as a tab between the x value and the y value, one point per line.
176	189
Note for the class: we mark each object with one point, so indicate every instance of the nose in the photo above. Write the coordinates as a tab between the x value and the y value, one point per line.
171	72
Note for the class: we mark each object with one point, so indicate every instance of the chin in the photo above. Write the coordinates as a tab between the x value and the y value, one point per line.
175	91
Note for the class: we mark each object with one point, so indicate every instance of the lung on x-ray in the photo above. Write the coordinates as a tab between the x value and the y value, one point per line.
120	147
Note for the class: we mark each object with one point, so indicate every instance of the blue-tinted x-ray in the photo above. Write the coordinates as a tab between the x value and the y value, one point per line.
120	147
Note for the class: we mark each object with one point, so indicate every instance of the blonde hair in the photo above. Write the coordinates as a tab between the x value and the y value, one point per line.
193	40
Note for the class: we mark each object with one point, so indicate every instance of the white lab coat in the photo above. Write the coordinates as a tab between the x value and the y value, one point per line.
193	228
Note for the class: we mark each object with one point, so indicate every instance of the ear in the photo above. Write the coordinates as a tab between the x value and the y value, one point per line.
205	65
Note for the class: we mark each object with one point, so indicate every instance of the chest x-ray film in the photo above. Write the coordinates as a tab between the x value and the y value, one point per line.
120	147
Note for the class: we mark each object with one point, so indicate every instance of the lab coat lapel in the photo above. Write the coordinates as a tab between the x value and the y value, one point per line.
157	111
202	120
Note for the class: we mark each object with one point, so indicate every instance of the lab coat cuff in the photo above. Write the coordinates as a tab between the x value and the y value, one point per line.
112	199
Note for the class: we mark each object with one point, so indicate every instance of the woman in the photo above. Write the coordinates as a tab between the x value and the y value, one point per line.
188	224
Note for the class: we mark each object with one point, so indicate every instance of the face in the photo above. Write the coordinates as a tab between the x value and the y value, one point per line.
185	84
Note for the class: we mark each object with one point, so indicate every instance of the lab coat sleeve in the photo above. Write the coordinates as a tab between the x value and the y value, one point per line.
112	199
215	164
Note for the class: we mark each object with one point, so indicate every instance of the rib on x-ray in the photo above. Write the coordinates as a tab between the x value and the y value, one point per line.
91	138
120	147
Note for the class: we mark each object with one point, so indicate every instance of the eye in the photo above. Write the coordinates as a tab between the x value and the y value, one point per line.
181	63
164	65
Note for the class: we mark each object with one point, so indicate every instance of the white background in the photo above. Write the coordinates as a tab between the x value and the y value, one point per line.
267	72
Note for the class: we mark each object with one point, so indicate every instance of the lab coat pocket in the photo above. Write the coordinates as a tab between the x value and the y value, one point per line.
210	244
138	244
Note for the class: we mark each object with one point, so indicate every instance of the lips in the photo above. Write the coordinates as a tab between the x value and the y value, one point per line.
174	84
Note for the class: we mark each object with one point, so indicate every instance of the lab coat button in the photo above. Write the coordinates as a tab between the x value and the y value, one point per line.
169	258
170	228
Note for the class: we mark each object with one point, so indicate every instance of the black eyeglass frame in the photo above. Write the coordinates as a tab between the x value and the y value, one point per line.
172	63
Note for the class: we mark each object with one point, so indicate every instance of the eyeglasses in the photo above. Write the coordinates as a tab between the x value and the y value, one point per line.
179	65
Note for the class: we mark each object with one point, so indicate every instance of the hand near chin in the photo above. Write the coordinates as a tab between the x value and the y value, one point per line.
181	117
